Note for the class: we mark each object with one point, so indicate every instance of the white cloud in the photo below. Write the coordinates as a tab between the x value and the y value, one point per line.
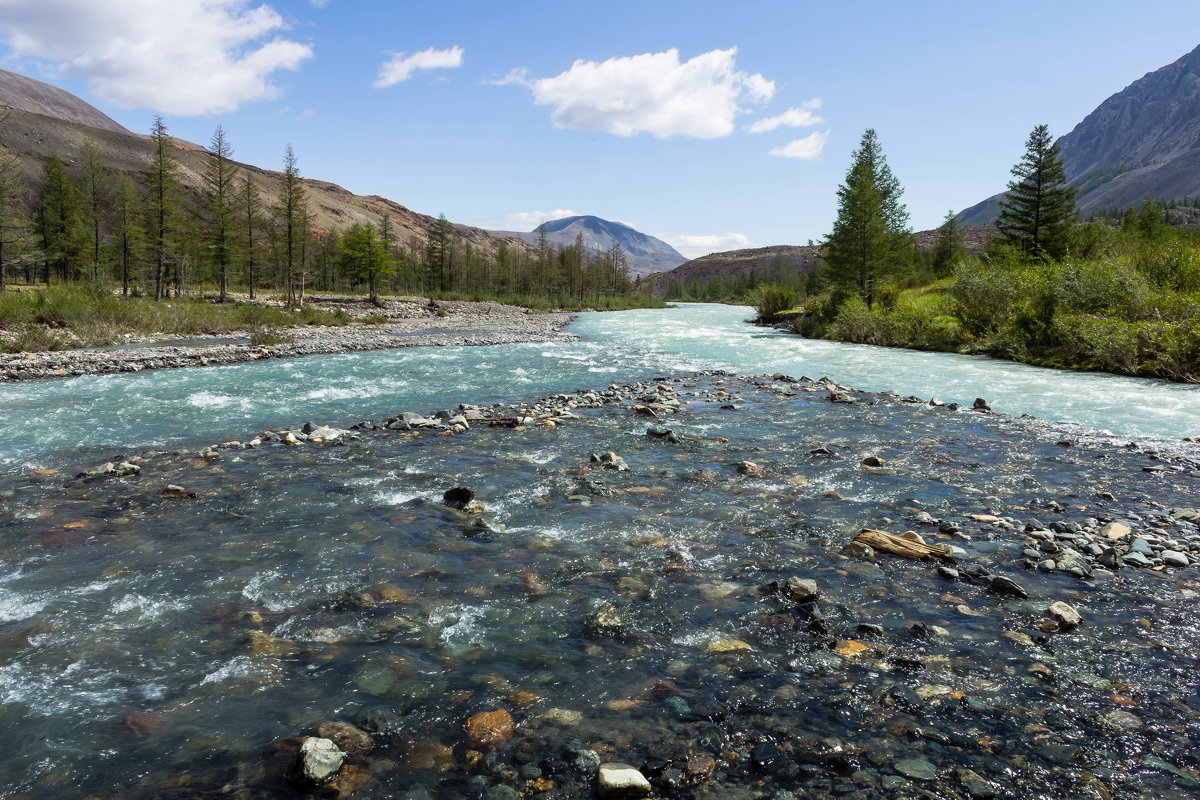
522	221
652	92
401	66
182	57
696	245
802	117
809	147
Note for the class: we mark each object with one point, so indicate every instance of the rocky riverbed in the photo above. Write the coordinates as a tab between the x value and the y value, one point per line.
396	323
656	589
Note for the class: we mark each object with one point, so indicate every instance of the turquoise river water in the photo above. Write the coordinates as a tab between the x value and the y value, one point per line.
154	647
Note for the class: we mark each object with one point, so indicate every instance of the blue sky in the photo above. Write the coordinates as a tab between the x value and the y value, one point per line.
713	125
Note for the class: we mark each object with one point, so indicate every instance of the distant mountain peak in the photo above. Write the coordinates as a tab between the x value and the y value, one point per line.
643	253
37	97
1141	142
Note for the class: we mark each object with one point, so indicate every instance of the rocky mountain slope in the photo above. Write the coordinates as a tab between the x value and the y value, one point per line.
643	253
37	97
43	119
1142	142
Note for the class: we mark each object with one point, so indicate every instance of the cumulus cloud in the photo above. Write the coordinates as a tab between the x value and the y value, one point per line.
701	244
183	57
654	93
802	117
401	66
809	147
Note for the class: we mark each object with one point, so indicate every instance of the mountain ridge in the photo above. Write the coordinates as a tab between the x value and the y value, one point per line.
644	254
1141	143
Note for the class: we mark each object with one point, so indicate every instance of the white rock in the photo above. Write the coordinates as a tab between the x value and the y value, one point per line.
1174	558
620	780
320	759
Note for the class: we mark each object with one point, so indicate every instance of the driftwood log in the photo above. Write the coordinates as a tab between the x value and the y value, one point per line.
909	547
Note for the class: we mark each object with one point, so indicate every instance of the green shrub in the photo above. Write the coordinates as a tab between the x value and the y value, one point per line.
856	322
32	338
267	336
769	299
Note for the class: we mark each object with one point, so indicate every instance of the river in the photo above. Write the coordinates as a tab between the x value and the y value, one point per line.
154	647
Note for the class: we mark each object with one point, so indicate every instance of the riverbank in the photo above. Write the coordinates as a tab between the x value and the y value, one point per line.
396	323
660	573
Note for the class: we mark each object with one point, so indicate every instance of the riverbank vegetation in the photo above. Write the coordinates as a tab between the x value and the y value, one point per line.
84	231
1114	295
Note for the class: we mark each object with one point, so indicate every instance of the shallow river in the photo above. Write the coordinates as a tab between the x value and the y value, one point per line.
154	647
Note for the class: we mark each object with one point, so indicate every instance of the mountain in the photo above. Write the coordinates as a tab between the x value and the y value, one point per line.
644	254
1142	142
36	97
43	120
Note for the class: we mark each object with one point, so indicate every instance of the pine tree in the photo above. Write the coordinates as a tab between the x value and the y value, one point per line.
219	179
1038	211
870	238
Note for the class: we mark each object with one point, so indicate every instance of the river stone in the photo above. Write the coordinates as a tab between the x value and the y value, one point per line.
1006	586
1173	558
802	590
458	497
1120	720
177	492
975	785
347	737
487	729
320	759
1066	615
621	780
750	469
1114	530
917	768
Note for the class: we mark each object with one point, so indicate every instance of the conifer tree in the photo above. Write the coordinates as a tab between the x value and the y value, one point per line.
291	214
13	220
163	204
948	246
1038	211
250	215
220	175
95	196
128	236
58	220
870	238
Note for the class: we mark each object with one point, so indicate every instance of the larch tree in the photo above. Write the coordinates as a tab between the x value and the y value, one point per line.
249	209
94	189
128	236
871	239
948	246
220	177
291	214
58	220
13	221
162	205
1038	211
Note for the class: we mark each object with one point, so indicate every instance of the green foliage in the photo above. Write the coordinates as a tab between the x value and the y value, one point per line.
1038	211
870	239
268	336
770	298
948	247
31	338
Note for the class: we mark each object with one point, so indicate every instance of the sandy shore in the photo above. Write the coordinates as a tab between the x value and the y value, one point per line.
410	323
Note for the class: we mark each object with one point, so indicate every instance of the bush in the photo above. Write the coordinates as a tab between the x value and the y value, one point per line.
32	338
267	336
769	299
856	322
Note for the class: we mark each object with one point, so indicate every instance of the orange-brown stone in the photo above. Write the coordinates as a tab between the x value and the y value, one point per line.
489	729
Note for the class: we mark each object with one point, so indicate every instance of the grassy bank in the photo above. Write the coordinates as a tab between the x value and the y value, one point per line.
1128	303
63	317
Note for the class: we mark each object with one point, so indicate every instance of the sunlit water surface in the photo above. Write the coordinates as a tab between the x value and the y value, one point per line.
156	648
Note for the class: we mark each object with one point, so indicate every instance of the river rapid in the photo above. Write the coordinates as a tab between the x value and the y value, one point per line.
155	646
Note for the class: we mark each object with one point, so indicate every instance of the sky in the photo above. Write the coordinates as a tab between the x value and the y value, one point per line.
711	125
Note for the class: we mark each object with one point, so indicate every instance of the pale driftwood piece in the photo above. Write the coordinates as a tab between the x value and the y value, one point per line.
908	548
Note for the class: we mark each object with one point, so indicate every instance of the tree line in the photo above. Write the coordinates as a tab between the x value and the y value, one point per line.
148	235
1119	295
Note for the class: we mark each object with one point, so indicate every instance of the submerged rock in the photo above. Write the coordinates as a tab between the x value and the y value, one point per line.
458	497
320	759
621	780
487	729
